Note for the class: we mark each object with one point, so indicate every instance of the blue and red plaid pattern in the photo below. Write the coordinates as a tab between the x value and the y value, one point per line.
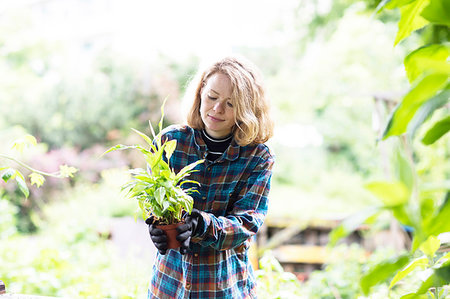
233	201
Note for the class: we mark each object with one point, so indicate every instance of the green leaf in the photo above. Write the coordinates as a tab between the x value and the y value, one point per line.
145	137
160	194
421	262
118	147
165	205
414	296
401	214
144	178
403	169
30	139
137	171
397	3
430	246
381	6
444	271
157	157
411	19
444	258
439	278
137	191
162	114
391	194
186	170
439	223
186	202
27	141
189	181
350	224
426	207
143	150
170	148
427	109
165	174
36	179
67	171
438	12
8	174
423	90
439	129
432	59
22	185
382	271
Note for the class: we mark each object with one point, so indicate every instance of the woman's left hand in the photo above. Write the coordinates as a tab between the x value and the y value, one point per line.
186	230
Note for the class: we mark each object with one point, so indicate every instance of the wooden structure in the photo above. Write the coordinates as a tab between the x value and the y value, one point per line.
300	246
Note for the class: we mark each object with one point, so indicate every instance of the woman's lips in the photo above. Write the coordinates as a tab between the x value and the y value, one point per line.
214	119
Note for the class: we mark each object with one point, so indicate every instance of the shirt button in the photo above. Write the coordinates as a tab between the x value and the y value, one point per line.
209	168
204	197
196	254
188	286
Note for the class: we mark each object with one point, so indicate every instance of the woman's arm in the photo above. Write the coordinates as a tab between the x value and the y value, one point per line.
245	217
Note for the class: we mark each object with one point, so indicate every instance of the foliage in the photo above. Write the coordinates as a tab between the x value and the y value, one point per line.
7	219
346	266
70	256
64	95
158	189
408	198
36	177
58	99
273	281
331	89
338	278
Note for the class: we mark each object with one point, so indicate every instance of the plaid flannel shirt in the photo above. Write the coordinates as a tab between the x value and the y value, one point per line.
233	201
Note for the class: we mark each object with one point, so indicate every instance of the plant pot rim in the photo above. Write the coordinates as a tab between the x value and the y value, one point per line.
171	232
169	226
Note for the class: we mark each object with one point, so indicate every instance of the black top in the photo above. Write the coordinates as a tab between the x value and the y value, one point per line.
216	147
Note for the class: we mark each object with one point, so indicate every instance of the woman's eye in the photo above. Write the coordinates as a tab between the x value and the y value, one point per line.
212	98
229	104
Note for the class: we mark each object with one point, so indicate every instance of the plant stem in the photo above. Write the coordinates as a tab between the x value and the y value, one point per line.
55	175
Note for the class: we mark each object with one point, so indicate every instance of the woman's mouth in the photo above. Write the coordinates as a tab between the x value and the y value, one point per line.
214	118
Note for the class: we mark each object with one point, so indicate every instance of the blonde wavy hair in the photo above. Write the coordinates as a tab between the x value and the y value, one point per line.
253	123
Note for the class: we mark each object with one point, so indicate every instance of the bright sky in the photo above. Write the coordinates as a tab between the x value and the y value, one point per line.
175	27
201	26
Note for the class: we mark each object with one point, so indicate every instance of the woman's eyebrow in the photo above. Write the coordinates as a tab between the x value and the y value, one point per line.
218	93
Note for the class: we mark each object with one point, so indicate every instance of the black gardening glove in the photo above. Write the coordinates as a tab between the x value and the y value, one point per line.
187	230
157	235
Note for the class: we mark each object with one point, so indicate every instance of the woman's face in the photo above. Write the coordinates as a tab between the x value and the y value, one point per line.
216	109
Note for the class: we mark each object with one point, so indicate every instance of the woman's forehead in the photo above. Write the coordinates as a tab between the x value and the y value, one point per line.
220	84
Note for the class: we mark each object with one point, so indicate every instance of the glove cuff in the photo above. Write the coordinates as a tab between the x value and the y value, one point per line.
204	220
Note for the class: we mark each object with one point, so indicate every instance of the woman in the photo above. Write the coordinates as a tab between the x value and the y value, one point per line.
227	126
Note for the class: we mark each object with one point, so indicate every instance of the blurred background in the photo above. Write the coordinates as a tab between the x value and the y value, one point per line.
79	74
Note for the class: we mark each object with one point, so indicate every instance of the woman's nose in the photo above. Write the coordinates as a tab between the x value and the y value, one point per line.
218	107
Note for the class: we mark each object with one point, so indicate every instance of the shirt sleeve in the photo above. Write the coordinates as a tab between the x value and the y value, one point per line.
246	215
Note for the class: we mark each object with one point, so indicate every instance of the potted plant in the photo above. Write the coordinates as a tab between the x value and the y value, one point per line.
157	188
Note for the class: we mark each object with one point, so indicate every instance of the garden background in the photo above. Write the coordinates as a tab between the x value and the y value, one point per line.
78	75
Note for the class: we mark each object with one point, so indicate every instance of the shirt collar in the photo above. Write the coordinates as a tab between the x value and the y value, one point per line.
231	154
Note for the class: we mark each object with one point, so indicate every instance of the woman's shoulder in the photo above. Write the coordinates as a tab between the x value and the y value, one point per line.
177	131
262	151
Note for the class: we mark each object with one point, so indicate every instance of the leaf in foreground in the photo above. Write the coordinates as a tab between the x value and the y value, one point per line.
382	271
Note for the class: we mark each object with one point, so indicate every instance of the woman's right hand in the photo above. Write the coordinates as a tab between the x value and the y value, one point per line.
157	235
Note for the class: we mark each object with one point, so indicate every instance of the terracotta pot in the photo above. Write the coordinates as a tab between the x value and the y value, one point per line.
171	232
